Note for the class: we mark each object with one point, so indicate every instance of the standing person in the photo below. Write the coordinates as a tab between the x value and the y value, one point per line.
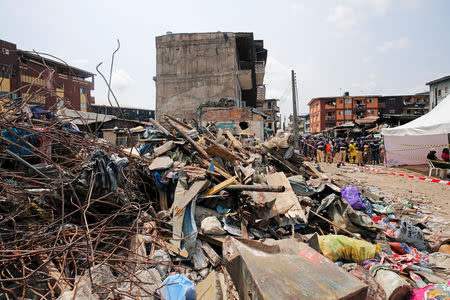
342	152
359	152
366	148
382	153
352	152
334	151
445	155
320	151
375	151
328	150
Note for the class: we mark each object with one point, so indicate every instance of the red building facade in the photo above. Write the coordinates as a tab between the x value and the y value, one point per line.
39	80
328	112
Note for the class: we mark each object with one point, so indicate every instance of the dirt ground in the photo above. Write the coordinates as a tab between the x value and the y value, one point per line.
427	197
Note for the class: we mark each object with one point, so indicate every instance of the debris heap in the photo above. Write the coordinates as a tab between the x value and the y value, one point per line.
193	211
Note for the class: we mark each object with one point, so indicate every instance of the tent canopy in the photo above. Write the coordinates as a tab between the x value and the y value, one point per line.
409	144
437	121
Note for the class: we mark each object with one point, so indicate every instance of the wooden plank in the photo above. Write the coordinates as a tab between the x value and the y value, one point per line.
221	151
218	169
181	252
212	256
286	201
235	142
190	194
314	170
217	188
163	200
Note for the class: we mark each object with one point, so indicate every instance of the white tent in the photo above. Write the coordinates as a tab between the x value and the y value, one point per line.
409	144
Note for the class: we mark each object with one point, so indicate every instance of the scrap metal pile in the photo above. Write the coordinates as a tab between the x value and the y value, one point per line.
193	212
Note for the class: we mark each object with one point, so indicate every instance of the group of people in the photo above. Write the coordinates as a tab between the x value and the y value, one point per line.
358	151
442	163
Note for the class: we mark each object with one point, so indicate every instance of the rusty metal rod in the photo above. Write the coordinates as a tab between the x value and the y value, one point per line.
257	188
334	224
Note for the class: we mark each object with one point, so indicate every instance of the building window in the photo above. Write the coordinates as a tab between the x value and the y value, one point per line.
83	105
348	112
439	92
340	112
391	100
348	100
371	100
392	111
445	90
83	91
59	85
370	112
340	101
5	51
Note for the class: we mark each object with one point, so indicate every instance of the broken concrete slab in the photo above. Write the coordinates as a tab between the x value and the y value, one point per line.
296	270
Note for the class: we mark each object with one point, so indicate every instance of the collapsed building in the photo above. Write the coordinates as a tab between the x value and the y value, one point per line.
193	68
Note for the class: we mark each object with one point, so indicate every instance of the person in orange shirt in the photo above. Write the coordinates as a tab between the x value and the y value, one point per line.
328	150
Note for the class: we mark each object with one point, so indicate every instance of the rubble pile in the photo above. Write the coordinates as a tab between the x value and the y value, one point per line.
195	212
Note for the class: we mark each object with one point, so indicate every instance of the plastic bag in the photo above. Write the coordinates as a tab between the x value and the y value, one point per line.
340	247
178	287
350	194
411	235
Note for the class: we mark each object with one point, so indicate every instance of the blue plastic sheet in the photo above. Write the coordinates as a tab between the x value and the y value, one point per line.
22	138
178	287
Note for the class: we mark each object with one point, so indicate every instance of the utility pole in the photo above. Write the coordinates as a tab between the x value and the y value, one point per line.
294	105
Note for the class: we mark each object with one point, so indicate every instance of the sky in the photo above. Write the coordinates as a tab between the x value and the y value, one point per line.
385	47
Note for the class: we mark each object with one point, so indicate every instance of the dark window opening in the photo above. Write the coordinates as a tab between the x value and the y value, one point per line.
243	125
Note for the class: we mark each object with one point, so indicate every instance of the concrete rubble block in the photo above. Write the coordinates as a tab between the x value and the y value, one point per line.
103	281
212	225
158	151
161	163
139	284
296	270
198	257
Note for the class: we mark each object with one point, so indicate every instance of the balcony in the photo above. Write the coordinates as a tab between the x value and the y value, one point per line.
414	104
245	79
260	67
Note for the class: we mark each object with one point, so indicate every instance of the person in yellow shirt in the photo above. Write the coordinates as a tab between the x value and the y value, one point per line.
353	152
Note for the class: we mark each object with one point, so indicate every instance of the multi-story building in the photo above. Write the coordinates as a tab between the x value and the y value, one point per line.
193	68
270	108
405	105
439	89
328	112
128	113
39	80
303	124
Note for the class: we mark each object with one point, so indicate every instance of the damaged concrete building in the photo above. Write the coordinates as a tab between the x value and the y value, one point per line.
194	68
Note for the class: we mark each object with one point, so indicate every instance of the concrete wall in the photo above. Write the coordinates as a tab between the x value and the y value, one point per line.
230	119
194	68
434	99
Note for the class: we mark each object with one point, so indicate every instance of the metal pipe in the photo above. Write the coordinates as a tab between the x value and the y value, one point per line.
188	138
257	188
24	162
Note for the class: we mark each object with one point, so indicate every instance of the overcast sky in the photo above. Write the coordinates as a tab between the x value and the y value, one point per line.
360	46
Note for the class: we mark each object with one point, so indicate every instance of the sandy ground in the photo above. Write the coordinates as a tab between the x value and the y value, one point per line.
429	198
